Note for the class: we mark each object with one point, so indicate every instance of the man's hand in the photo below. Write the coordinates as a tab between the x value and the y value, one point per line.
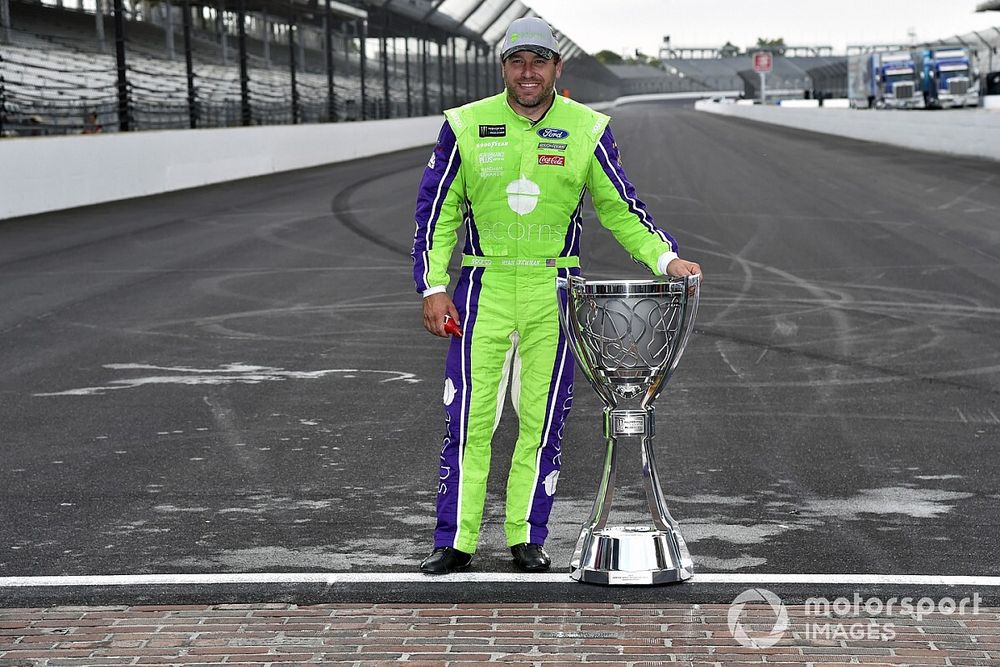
436	306
678	268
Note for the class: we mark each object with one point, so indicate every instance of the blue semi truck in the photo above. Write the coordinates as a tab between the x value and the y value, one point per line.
947	77
884	80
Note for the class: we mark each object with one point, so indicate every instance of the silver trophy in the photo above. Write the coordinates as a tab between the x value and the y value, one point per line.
627	336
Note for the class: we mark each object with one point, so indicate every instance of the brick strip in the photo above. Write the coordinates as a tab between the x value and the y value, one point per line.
548	634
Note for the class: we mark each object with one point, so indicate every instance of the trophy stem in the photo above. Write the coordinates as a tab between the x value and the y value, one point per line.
605	494
654	492
632	554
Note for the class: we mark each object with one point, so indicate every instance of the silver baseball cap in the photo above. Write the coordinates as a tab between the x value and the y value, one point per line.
529	34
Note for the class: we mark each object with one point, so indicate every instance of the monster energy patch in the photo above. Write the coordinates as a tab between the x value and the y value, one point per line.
492	130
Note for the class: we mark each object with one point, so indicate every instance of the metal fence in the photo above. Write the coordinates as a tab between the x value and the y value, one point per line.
136	65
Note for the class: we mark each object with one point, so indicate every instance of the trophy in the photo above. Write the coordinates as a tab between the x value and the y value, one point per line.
627	336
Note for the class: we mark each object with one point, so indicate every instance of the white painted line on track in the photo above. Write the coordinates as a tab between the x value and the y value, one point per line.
332	579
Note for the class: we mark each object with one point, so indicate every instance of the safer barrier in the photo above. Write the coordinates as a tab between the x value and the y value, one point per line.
39	174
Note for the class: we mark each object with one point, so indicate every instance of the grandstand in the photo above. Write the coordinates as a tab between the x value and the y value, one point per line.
61	70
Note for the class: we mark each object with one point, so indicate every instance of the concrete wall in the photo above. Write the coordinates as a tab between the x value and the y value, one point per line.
968	133
39	174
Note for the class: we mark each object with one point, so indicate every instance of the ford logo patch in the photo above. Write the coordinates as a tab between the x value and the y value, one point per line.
552	133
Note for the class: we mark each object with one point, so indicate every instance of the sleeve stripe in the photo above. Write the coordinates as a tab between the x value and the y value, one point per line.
424	235
436	207
618	181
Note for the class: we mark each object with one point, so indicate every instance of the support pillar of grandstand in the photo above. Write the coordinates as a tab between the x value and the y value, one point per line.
189	67
220	27
124	112
331	95
302	49
98	25
441	106
454	71
246	115
468	73
406	60
168	27
475	76
266	38
424	47
5	19
384	44
362	39
291	68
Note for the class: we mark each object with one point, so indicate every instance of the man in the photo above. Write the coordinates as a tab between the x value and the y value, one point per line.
513	170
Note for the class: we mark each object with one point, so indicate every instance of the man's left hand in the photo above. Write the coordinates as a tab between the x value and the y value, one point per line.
678	268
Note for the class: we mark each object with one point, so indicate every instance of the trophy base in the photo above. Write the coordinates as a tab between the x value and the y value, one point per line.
632	556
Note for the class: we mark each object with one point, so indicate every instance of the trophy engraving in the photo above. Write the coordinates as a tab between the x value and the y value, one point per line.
628	336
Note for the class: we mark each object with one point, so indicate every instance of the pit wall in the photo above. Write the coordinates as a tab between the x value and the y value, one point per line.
40	174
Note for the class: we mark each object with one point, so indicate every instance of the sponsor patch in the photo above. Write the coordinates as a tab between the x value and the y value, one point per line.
432	161
492	130
489	158
492	144
555	160
552	133
546	146
490	172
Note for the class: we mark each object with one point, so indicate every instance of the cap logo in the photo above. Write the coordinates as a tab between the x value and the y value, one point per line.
539	37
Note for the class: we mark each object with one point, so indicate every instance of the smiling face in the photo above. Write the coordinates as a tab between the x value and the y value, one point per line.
530	80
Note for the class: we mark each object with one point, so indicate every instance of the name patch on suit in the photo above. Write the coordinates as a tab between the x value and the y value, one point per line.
555	160
492	130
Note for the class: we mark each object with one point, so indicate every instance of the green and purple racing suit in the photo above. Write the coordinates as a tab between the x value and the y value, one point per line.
517	188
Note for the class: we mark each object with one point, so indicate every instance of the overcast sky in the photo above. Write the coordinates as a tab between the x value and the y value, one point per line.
625	25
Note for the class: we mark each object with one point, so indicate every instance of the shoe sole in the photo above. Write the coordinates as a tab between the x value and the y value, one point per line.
451	571
532	569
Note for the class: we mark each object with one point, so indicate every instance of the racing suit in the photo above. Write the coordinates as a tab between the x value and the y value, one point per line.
517	187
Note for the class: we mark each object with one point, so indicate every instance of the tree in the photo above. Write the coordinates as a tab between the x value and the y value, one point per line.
775	46
606	57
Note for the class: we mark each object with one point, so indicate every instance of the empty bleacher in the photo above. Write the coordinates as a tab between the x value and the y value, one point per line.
58	77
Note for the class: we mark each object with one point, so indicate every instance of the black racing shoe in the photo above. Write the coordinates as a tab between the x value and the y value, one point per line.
444	560
530	557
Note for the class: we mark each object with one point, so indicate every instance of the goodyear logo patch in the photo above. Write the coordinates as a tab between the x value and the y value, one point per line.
492	130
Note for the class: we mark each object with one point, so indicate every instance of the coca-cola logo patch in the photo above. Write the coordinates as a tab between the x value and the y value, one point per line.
555	160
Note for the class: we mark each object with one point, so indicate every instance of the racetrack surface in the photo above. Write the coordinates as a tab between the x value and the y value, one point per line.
236	379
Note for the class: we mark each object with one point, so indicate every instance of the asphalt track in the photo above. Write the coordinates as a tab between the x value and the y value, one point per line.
235	379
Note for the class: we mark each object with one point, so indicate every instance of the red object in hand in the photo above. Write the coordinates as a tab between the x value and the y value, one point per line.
451	328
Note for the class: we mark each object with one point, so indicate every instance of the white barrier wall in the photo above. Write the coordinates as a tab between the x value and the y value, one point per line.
39	174
967	133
